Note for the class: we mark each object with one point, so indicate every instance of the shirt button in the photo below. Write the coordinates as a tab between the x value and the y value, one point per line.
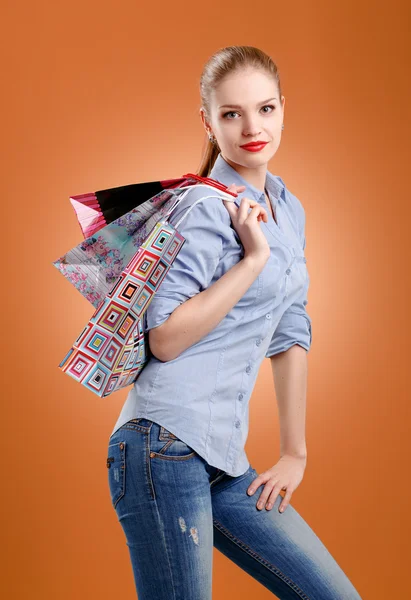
268	316
237	424
240	396
248	369
288	271
257	342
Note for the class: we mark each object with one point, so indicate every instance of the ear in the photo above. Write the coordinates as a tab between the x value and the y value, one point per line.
201	112
202	115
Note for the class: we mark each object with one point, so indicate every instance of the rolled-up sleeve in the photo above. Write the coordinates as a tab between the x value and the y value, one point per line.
294	327
195	264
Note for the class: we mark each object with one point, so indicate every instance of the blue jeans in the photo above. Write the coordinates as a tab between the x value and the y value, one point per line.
174	507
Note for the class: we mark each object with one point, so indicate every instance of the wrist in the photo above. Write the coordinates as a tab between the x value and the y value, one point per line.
300	454
255	261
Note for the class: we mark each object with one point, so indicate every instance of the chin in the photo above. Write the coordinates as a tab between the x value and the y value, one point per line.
257	158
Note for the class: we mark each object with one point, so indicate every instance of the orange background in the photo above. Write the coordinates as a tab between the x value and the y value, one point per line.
101	94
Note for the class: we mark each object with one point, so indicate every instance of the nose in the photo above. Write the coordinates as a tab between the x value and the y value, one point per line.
251	127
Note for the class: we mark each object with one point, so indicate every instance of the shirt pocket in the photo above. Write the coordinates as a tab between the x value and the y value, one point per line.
296	277
274	275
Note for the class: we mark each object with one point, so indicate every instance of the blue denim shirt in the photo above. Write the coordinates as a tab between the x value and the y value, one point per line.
202	396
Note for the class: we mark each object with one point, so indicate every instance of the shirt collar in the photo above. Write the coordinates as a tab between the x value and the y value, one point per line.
226	174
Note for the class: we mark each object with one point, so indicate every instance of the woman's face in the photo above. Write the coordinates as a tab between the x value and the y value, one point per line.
245	108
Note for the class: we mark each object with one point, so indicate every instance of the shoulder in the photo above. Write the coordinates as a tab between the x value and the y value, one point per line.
201	203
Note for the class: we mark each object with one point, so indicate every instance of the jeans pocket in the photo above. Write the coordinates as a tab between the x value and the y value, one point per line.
173	449
116	465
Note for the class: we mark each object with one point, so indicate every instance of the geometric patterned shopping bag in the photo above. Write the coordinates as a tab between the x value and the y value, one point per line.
112	349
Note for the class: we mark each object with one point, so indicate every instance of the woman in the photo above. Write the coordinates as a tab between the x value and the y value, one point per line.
179	478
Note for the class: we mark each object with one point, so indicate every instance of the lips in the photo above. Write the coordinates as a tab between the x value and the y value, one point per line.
254	146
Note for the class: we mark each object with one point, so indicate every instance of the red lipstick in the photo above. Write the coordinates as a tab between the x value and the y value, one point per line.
254	146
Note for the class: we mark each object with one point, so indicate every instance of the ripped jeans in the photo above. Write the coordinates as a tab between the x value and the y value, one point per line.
174	507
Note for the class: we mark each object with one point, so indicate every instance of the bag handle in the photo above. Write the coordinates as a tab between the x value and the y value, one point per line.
212	182
222	195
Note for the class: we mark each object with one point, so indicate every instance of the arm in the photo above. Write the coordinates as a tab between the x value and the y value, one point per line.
288	355
187	305
290	379
288	350
197	316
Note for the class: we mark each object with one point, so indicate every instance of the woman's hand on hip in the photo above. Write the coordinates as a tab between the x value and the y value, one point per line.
286	475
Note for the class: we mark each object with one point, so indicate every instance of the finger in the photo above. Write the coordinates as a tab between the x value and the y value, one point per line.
245	204
262	213
231	207
265	494
262	216
273	496
255	484
286	500
257	213
236	188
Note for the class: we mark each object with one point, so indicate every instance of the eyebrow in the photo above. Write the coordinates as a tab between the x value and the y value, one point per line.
237	106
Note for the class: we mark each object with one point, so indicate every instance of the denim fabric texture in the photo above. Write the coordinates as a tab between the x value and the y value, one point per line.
174	508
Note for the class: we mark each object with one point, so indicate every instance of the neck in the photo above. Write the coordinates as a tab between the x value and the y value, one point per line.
256	176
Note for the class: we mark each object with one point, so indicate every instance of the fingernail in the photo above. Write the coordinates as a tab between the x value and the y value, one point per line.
250	492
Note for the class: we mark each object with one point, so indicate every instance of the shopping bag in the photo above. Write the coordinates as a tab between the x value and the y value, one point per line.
94	265
95	210
112	349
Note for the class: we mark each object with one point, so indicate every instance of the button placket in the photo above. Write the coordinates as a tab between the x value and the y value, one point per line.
299	275
288	271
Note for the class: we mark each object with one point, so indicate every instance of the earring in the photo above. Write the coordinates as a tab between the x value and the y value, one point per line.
282	126
211	138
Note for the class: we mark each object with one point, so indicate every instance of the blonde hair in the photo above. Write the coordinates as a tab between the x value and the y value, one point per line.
224	61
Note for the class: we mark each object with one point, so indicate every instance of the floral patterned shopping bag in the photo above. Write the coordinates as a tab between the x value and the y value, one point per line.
94	266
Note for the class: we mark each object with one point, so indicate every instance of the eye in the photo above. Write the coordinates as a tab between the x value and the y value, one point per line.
229	113
269	106
235	113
